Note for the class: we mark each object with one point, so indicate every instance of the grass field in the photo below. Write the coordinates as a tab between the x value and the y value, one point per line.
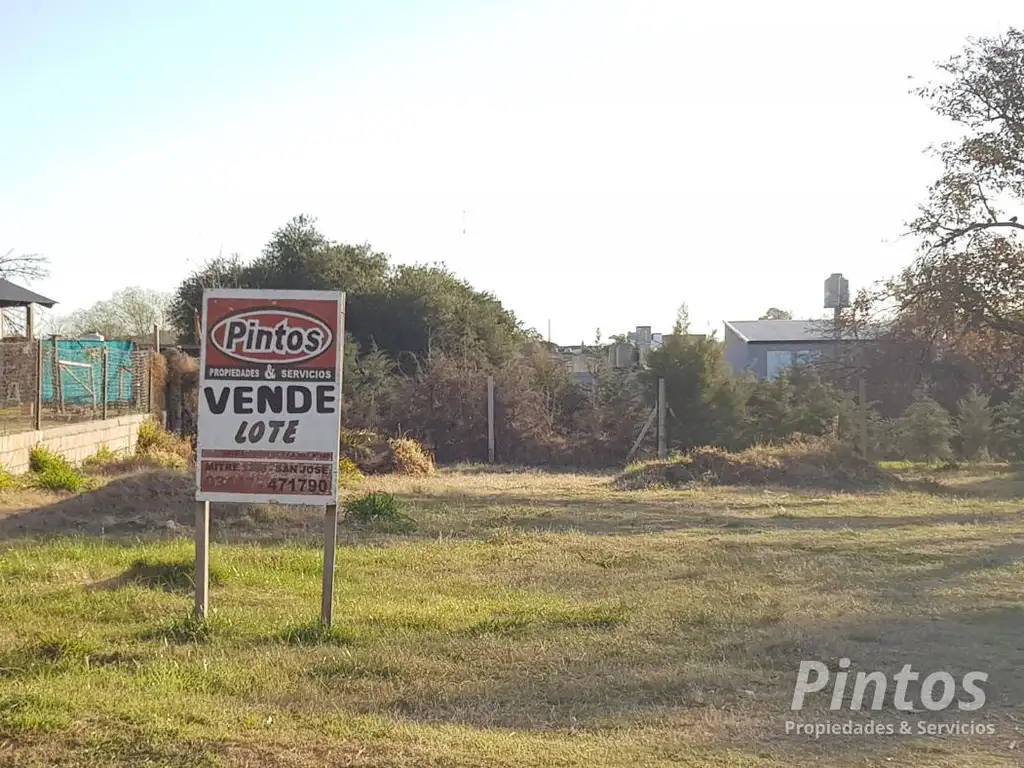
530	619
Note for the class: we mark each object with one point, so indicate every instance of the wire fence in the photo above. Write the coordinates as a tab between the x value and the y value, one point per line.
50	382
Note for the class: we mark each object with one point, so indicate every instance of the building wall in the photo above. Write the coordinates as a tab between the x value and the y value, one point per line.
75	441
757	353
737	351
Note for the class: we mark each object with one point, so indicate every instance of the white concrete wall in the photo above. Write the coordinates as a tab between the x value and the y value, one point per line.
75	441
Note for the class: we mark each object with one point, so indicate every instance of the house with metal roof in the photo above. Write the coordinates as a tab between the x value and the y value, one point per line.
766	347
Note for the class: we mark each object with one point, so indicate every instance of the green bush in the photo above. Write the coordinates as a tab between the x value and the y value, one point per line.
378	509
8	481
52	472
101	458
41	458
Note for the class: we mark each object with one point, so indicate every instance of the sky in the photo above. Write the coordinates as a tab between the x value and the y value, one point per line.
614	160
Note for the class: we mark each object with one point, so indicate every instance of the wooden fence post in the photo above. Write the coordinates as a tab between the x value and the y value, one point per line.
662	436
330	552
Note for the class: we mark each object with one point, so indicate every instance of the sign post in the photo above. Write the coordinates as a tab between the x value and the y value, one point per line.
330	546
269	410
202	558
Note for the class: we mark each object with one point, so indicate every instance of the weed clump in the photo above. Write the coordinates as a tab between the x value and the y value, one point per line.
348	471
378	510
183	631
55	648
799	463
410	458
8	482
100	459
371	454
52	472
317	633
160	446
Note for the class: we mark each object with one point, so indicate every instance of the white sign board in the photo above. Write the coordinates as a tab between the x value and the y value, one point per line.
270	396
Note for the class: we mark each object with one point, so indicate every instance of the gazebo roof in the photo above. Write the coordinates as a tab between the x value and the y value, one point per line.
12	295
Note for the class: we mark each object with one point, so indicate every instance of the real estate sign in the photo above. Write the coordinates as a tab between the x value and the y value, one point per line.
270	396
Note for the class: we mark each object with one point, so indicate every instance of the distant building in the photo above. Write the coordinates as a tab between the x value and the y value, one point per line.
630	354
766	347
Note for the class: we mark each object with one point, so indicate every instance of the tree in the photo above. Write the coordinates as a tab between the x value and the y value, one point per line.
26	267
776	314
970	270
974	425
406	312
427	310
130	312
705	401
796	401
373	381
925	430
186	306
1009	427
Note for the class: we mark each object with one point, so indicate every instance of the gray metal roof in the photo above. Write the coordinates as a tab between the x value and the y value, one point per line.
782	330
12	295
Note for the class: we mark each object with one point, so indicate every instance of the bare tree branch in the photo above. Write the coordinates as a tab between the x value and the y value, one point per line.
956	234
25	266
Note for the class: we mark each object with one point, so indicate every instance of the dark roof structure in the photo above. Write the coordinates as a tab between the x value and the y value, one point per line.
12	295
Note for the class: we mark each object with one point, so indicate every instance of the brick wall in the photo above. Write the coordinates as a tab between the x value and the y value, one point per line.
75	442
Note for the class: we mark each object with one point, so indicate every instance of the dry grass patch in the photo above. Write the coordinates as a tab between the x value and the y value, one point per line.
163	447
801	463
410	458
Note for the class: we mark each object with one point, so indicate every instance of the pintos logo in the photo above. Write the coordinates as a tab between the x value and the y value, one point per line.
271	336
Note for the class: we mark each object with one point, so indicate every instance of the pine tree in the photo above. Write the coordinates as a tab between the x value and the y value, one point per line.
925	430
1009	427
974	424
705	400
